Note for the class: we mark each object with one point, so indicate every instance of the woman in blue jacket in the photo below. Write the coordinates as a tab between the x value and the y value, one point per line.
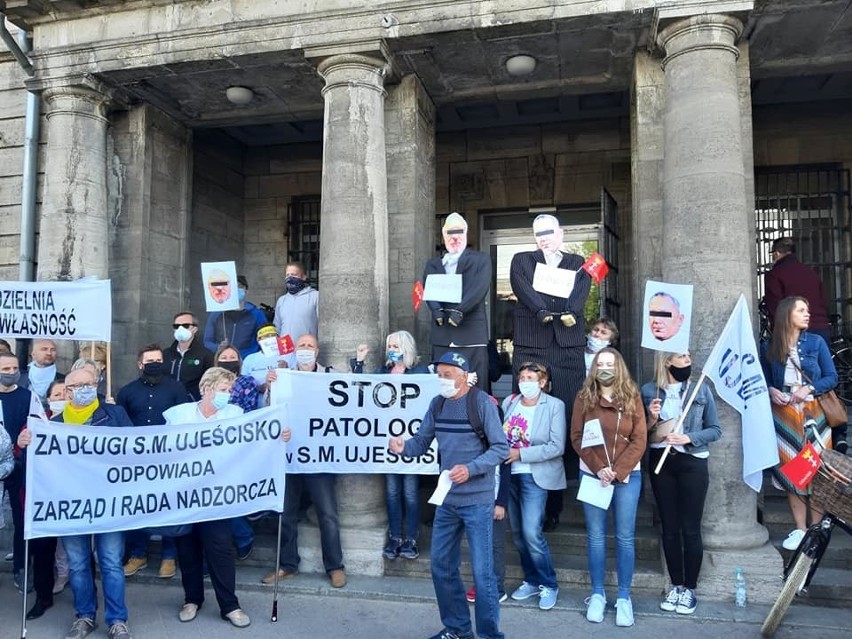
681	485
798	369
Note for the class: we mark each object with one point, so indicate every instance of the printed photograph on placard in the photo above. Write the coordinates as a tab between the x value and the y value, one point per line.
220	286
667	316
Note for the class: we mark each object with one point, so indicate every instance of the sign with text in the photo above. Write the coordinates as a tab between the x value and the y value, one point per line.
441	287
552	280
342	423
147	476
80	310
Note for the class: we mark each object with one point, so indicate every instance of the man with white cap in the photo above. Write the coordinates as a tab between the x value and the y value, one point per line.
550	329
462	327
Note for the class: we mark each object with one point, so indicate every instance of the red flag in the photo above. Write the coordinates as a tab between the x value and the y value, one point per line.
285	345
801	469
417	295
596	267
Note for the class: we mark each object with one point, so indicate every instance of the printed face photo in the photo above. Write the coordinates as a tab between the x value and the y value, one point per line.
219	286
664	316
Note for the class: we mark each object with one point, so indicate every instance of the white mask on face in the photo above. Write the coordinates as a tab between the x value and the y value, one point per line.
594	344
448	387
306	357
57	406
182	334
530	390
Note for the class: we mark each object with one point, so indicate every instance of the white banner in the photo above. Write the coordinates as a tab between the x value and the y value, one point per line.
79	310
734	367
342	423
93	479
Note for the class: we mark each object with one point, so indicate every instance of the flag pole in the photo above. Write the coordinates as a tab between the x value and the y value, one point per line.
679	426
109	369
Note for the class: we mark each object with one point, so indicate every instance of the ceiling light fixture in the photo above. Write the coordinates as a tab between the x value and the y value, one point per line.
239	95
519	65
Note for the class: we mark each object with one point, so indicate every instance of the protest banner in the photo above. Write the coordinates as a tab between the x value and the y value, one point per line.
342	423
80	310
93	479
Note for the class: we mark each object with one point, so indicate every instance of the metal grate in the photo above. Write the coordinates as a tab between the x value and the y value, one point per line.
811	204
304	220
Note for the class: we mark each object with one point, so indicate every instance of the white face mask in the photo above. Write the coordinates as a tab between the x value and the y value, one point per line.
182	334
57	406
448	387
530	390
594	344
306	357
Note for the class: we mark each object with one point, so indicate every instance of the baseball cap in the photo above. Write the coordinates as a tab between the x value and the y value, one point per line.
453	359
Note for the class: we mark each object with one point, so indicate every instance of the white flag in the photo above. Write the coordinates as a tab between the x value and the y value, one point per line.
734	367
592	434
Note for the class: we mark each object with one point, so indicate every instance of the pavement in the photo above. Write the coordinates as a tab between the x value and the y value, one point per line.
400	608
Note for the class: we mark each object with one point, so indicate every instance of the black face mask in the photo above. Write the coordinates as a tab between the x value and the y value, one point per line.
233	367
294	284
680	373
153	371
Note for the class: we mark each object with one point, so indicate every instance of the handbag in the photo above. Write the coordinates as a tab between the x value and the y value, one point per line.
832	406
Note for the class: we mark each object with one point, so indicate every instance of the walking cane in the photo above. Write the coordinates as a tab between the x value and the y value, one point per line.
26	581
277	564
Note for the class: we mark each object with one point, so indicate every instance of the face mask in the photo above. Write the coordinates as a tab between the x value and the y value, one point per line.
605	376
294	284
680	373
594	344
153	369
306	357
448	387
220	399
530	390
241	294
85	396
182	334
57	406
234	367
395	357
10	379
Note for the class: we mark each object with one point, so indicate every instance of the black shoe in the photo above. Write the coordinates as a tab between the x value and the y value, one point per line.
550	524
39	609
244	552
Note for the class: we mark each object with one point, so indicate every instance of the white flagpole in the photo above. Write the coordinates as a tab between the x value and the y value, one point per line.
679	426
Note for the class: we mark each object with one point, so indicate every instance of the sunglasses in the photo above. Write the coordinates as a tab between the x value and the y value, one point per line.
186	325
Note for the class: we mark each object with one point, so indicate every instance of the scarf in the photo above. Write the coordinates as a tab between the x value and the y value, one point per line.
451	261
73	415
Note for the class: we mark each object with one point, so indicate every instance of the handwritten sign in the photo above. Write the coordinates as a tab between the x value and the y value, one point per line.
441	287
551	280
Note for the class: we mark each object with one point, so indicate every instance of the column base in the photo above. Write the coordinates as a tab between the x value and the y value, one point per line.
762	567
362	549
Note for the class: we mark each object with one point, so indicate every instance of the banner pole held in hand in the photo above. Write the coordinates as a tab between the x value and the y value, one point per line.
277	569
680	419
109	369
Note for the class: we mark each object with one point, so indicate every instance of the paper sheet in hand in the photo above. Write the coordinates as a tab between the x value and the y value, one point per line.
593	493
443	288
592	434
444	485
551	280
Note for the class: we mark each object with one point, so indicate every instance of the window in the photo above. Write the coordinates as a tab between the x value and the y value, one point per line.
304	222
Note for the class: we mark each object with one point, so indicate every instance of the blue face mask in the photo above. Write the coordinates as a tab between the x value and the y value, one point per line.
241	294
394	357
220	399
85	395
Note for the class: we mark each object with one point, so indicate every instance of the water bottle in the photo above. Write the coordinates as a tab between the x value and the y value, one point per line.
740	588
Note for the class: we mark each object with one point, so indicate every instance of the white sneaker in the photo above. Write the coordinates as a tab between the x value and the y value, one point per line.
792	541
596	607
624	613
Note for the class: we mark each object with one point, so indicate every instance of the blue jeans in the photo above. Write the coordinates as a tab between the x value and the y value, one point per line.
403	490
625	502
137	545
110	548
476	522
242	533
526	516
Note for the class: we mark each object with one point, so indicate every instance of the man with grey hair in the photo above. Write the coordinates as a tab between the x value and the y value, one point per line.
462	327
550	329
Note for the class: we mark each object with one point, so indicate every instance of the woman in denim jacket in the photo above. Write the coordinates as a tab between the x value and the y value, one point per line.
681	486
798	369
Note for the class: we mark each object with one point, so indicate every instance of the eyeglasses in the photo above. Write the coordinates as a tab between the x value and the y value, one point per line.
220	284
184	325
73	387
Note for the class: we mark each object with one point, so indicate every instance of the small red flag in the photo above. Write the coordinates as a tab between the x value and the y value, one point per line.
803	467
596	267
285	345
417	295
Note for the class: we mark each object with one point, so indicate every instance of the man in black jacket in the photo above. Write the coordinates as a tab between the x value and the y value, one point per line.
462	327
187	358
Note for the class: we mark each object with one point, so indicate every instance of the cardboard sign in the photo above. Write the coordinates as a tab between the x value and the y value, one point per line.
596	267
417	295
803	467
551	280
441	287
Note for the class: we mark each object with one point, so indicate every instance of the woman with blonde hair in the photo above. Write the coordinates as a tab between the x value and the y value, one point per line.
610	401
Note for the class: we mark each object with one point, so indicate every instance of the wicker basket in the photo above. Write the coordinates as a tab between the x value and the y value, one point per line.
830	494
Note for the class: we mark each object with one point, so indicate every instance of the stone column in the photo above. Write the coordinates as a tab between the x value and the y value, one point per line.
353	279
410	128
74	228
707	241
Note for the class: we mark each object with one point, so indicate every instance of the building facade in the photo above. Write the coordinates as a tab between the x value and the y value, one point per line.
677	137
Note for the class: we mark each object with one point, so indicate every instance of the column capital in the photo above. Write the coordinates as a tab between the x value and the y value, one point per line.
709	31
353	69
82	94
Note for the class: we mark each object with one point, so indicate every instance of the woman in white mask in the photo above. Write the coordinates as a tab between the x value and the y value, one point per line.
603	333
536	432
